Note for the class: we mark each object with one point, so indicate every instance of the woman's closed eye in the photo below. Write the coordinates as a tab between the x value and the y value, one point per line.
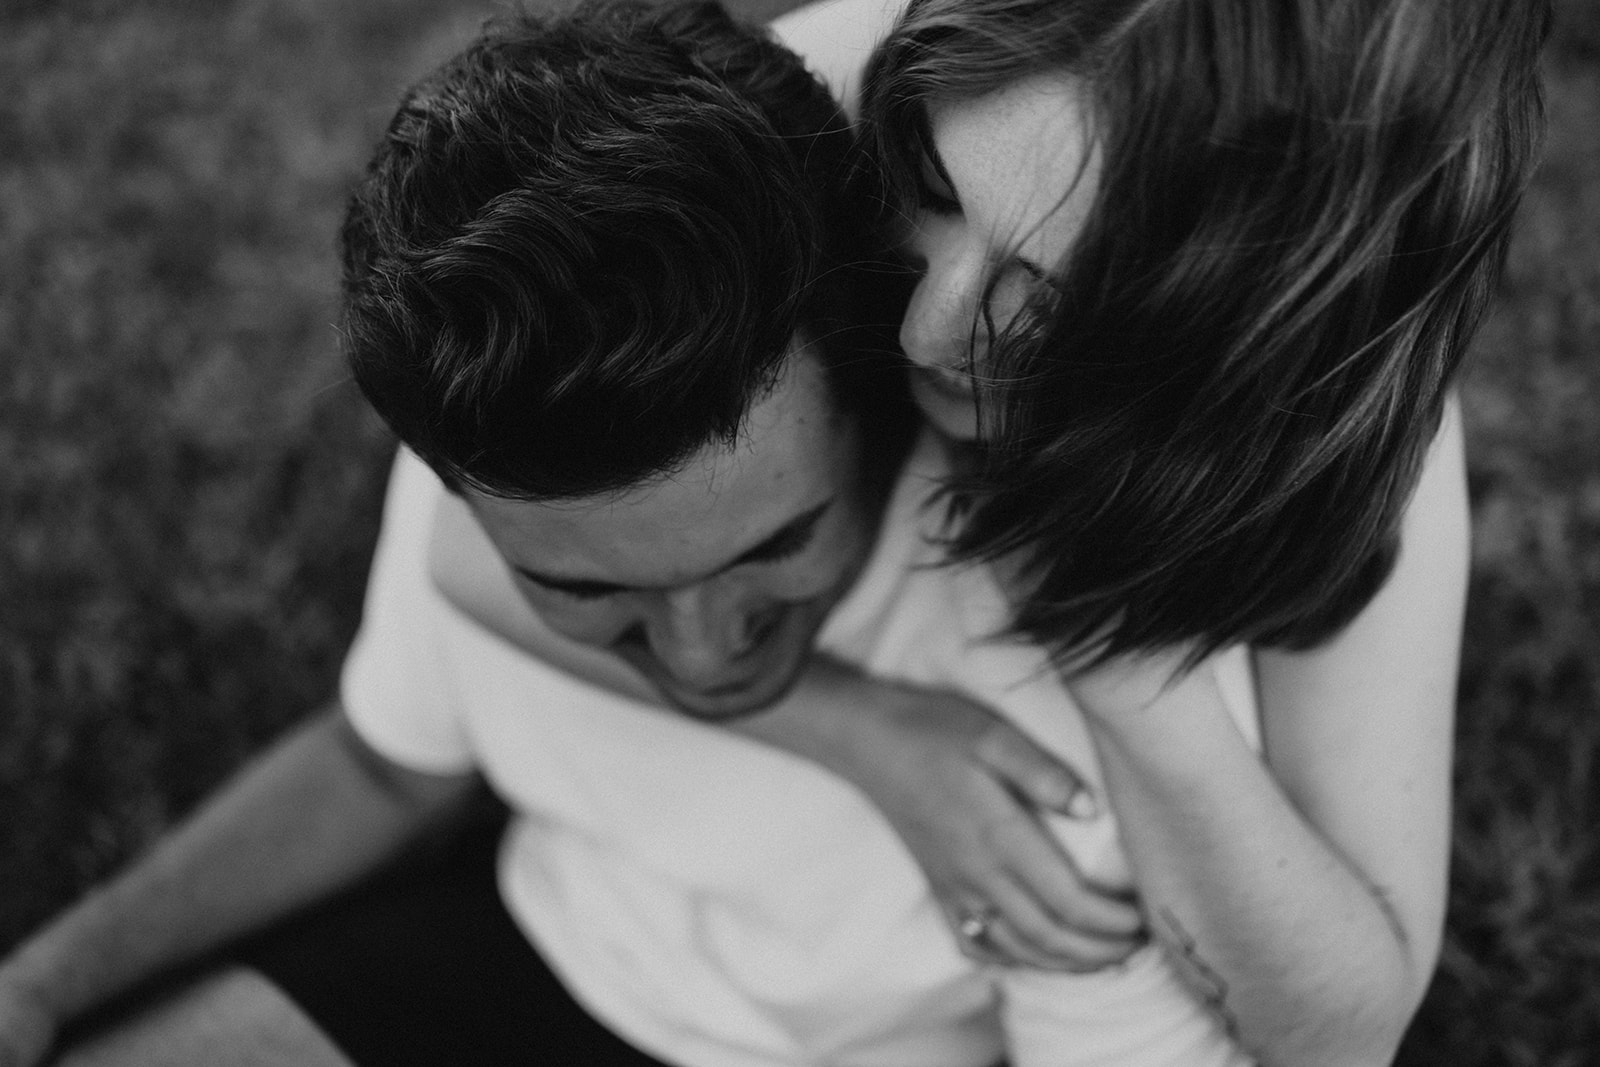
934	191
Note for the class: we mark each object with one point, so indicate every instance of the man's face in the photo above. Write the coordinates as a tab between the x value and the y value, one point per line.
714	581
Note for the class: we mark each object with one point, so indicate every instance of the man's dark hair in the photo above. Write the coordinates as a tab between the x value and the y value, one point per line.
583	246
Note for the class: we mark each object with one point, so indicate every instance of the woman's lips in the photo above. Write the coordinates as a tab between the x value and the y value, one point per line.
946	385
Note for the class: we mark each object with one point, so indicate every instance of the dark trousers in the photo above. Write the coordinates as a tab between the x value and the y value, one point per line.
424	966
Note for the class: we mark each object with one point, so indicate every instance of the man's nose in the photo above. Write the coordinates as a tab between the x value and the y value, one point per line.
702	633
938	328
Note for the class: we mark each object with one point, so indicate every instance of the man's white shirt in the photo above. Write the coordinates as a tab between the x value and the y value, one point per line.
720	903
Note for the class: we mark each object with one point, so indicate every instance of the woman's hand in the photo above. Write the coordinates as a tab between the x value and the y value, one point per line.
966	791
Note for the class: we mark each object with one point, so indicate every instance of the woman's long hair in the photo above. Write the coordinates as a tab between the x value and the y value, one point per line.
1208	432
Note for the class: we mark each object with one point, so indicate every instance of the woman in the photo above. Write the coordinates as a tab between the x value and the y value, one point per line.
1196	281
1231	255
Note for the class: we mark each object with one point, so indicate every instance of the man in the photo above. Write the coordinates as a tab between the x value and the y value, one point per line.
634	286
604	277
676	386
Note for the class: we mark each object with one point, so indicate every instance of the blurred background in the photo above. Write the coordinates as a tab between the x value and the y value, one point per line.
189	487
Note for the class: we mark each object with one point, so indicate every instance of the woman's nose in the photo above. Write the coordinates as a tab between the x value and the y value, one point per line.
938	329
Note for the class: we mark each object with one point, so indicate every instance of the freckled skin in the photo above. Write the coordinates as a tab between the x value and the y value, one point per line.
1022	174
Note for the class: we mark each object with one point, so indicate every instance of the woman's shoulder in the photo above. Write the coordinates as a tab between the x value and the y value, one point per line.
835	37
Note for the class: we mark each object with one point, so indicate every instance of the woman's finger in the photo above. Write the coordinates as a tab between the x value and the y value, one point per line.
1034	774
1030	856
1059	946
1019	935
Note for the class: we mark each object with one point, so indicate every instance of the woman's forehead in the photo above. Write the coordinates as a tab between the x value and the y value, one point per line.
1023	160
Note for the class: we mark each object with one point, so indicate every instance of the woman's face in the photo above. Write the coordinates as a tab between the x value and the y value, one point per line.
1005	188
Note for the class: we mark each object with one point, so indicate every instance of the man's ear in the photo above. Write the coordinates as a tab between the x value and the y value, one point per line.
468	571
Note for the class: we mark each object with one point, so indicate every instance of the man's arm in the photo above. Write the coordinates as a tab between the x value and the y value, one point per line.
1304	896
314	814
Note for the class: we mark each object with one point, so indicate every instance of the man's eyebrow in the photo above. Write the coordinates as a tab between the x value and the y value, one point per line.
788	540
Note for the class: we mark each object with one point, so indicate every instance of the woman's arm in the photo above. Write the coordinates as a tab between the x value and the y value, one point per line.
1304	896
961	786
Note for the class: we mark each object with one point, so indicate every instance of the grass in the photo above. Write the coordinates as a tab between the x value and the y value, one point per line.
189	488
1520	980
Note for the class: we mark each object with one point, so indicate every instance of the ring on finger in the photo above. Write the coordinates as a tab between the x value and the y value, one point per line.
973	922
